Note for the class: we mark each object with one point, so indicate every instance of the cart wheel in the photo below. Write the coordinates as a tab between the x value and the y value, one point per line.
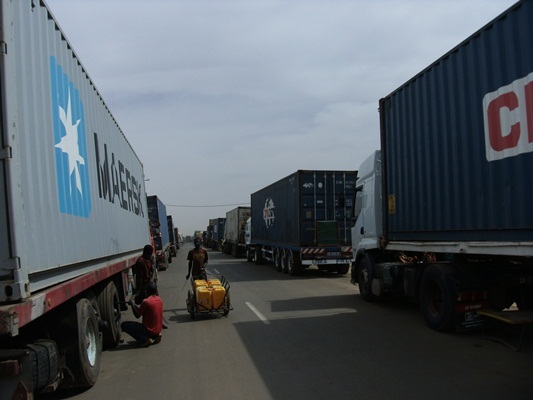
190	303
227	305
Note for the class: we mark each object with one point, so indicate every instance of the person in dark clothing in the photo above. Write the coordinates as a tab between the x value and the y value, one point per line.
198	259
144	273
151	309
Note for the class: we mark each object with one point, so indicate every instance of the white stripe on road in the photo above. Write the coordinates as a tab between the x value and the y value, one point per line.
258	313
216	271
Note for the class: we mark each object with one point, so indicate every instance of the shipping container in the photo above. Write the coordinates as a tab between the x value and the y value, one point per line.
216	233
173	239
306	216
73	211
157	213
455	168
442	213
234	227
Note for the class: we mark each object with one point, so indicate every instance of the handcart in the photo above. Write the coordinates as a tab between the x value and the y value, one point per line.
209	296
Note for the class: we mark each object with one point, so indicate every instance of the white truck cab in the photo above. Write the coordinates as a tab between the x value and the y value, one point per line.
368	226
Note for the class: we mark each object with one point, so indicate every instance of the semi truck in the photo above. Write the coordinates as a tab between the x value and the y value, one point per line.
216	233
234	228
443	208
157	213
73	210
173	237
303	220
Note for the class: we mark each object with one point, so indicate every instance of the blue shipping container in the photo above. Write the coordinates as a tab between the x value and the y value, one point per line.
218	229
457	140
157	212
307	208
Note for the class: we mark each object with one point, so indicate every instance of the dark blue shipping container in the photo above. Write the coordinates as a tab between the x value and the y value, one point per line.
157	212
457	140
218	229
307	208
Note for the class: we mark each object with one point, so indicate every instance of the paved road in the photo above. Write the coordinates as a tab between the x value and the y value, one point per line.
309	337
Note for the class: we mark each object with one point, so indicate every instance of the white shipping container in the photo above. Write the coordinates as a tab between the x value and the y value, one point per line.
72	188
236	224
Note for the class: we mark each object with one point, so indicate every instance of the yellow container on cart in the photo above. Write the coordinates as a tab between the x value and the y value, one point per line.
203	298
217	296
213	282
200	282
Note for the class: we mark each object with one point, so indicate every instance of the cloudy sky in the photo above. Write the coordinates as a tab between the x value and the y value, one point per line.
220	98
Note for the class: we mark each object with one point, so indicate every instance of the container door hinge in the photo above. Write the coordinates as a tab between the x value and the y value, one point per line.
5	153
3	48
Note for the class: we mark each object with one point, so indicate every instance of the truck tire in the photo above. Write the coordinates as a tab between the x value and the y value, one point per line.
110	312
292	265
283	261
83	356
44	363
249	255
278	259
364	274
436	300
258	256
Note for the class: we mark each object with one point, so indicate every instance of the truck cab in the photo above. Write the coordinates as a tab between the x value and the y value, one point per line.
367	229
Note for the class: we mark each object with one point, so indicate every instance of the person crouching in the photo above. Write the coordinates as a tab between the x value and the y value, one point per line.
151	309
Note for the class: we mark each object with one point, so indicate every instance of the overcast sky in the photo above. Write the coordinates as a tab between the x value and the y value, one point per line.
220	98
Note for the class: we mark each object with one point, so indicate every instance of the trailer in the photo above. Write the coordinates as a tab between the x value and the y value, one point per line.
303	220
216	233
173	237
443	208
73	210
234	228
157	212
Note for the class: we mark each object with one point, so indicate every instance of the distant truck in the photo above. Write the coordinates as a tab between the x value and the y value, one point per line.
234	228
304	220
157	212
178	238
444	208
73	211
173	237
216	233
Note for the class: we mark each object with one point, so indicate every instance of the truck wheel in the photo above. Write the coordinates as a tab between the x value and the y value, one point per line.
364	274
83	359
292	267
283	261
258	256
278	259
44	359
436	301
249	255
109	306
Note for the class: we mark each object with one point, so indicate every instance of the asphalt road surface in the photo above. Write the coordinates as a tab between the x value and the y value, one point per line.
305	337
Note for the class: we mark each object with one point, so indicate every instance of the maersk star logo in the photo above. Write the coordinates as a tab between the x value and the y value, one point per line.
70	144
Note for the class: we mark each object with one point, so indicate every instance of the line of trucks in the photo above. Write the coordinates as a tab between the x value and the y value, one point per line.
439	214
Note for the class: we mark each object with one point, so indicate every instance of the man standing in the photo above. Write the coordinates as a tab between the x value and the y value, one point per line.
151	309
144	273
197	258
